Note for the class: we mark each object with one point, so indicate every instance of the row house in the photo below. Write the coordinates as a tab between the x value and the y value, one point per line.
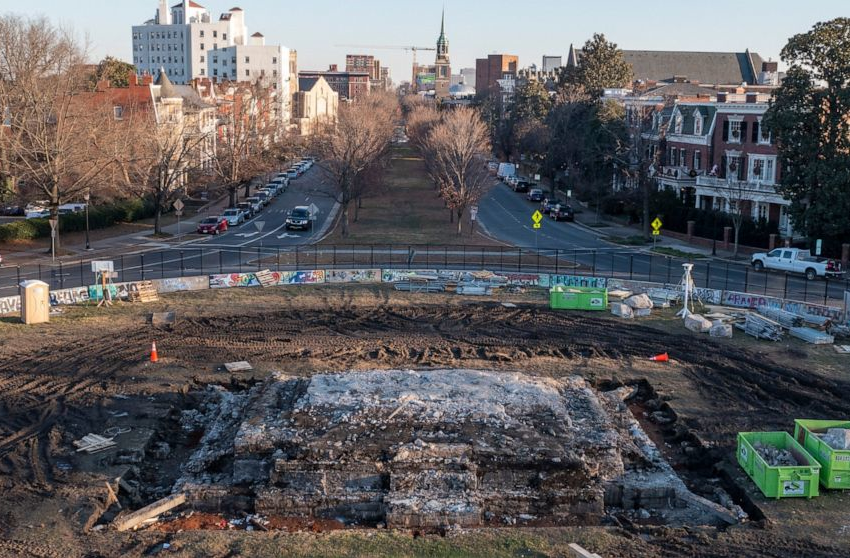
719	155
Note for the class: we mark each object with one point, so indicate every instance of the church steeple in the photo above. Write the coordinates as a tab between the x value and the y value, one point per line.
443	42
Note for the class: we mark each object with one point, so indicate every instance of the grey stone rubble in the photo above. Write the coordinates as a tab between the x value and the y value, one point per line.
430	448
720	329
698	324
837	438
774	456
621	310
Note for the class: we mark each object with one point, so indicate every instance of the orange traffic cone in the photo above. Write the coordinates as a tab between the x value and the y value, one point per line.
154	356
663	357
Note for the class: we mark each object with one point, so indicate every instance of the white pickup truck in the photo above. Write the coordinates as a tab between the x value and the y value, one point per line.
797	261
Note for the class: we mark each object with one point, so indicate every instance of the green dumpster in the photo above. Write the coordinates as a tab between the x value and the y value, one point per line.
578	298
781	481
834	464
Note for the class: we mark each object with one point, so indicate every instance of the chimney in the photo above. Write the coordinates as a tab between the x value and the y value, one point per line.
147	79
133	78
257	39
333	68
721	97
102	85
752	98
770	66
680	79
163	14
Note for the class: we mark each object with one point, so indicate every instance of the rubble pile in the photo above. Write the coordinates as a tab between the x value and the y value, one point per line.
838	438
774	456
423	449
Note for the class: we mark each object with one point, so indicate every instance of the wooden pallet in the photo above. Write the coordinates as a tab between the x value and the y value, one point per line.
92	443
266	278
145	292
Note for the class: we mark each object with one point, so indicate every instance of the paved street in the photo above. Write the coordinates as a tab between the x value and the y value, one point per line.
506	216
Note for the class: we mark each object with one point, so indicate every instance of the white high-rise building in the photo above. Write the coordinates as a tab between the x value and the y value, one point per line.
188	43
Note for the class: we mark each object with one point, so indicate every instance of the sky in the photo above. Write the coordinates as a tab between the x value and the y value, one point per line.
475	28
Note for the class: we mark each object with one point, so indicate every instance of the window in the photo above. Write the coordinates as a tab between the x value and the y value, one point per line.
787	254
224	62
274	73
202	32
678	123
215	59
203	59
274	60
760	134
247	73
215	71
697	124
247	59
233	59
682	157
202	71
734	131
118	112
763	169
215	34
202	46
224	36
697	159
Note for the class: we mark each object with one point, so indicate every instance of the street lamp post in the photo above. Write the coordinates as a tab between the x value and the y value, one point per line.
87	197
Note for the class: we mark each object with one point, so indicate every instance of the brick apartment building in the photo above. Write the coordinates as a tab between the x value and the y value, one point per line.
491	69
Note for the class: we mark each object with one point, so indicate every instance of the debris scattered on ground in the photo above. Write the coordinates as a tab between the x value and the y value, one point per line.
240	366
131	520
721	330
838	438
93	443
618	294
842	349
812	336
163	318
761	327
774	456
698	324
621	310
639	302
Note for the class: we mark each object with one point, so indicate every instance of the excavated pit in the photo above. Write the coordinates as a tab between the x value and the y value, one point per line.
431	448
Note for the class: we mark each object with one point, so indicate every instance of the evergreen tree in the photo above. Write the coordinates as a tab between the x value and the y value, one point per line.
809	120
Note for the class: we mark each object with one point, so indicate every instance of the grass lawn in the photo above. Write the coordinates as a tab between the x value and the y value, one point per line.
405	210
667	251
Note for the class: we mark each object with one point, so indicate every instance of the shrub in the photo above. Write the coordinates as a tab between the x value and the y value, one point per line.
100	217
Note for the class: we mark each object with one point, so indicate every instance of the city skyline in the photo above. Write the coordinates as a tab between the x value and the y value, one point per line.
540	28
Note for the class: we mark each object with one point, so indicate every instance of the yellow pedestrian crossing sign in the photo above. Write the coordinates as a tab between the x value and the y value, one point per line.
656	225
537	217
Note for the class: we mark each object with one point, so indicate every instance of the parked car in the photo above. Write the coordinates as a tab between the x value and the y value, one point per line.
264	196
256	203
247	209
535	195
300	218
234	216
212	225
511	181
38	214
796	260
562	212
292	174
548	204
1	260
12	210
523	185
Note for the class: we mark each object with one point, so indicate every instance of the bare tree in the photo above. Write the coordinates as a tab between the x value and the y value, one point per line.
165	151
55	142
249	131
357	140
459	146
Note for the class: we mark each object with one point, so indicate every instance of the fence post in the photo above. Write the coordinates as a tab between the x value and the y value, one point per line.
593	267
631	266
277	265
708	275
142	262
162	265
182	265
39	273
650	268
296	258
482	257
427	256
746	278
538	261
334	264
62	276
501	258
519	261
371	256
726	282
785	287
669	263
122	267
201	254
806	290
18	271
825	290
221	261
315	256
612	265
557	256
82	281
765	284
239	256
259	257
464	256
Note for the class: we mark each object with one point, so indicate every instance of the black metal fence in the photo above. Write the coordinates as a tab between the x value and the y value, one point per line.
610	263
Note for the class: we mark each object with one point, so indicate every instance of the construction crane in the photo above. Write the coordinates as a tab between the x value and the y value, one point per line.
413	49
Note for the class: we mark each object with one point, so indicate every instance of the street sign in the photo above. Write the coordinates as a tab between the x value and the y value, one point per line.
569	193
53	223
657	224
537	178
259	225
178	205
473	212
101	266
536	225
179	213
313	211
656	233
537	217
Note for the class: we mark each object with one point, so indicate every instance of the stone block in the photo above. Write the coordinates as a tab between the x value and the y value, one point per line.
621	310
698	324
639	301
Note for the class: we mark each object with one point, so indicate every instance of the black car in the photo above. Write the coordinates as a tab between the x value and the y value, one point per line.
535	195
548	204
562	213
523	186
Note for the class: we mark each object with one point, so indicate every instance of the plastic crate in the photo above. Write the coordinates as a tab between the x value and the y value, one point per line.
779	482
834	464
578	298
